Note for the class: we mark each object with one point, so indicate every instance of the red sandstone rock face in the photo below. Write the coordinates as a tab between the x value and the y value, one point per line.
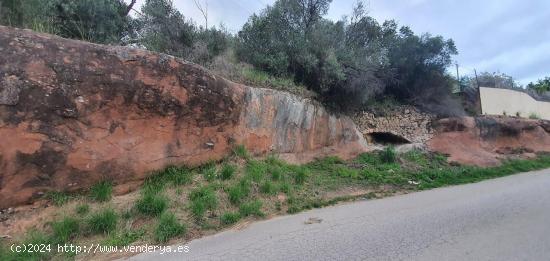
485	141
74	113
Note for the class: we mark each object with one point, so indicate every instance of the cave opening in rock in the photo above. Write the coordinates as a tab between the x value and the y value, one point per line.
387	138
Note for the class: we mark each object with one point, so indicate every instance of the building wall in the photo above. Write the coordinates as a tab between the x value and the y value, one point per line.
499	101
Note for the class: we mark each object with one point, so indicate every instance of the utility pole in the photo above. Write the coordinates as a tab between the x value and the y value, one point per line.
458	78
478	93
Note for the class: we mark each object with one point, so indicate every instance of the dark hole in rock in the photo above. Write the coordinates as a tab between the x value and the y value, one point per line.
386	138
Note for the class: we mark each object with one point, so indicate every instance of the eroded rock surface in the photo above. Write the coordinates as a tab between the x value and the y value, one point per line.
74	113
405	123
485	141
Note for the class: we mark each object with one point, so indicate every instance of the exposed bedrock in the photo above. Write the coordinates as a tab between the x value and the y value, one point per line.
74	113
487	140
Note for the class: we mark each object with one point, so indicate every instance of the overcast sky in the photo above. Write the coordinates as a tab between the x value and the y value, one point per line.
509	36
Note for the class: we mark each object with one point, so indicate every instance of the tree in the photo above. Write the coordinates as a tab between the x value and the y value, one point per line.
497	80
541	86
100	21
162	28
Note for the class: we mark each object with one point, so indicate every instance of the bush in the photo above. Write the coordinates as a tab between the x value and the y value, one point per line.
151	204
228	171
65	229
388	155
104	221
202	199
168	227
251	208
230	218
101	191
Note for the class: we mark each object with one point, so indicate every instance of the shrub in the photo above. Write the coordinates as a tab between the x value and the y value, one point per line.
151	204
82	209
228	171
102	191
65	229
388	155
168	227
103	222
202	199
230	218
251	208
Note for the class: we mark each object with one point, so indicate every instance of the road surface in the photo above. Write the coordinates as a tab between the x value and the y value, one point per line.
501	219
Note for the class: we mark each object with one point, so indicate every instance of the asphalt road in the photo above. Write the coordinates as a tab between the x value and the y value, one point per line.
501	219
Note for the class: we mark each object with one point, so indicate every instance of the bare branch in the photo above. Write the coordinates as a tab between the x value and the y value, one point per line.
203	9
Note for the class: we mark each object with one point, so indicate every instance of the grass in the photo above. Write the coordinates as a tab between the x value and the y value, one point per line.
82	209
228	171
238	192
101	191
230	218
252	208
65	229
208	171
300	175
202	200
58	198
249	193
241	152
388	155
267	187
168	227
151	204
124	238
256	170
104	221
179	175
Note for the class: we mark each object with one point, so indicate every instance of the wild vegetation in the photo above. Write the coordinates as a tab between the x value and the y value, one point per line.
165	209
288	46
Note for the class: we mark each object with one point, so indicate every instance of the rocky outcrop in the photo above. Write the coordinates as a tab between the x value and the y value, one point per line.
74	113
404	123
486	140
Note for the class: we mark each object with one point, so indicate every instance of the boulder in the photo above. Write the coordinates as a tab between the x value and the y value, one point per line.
74	113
